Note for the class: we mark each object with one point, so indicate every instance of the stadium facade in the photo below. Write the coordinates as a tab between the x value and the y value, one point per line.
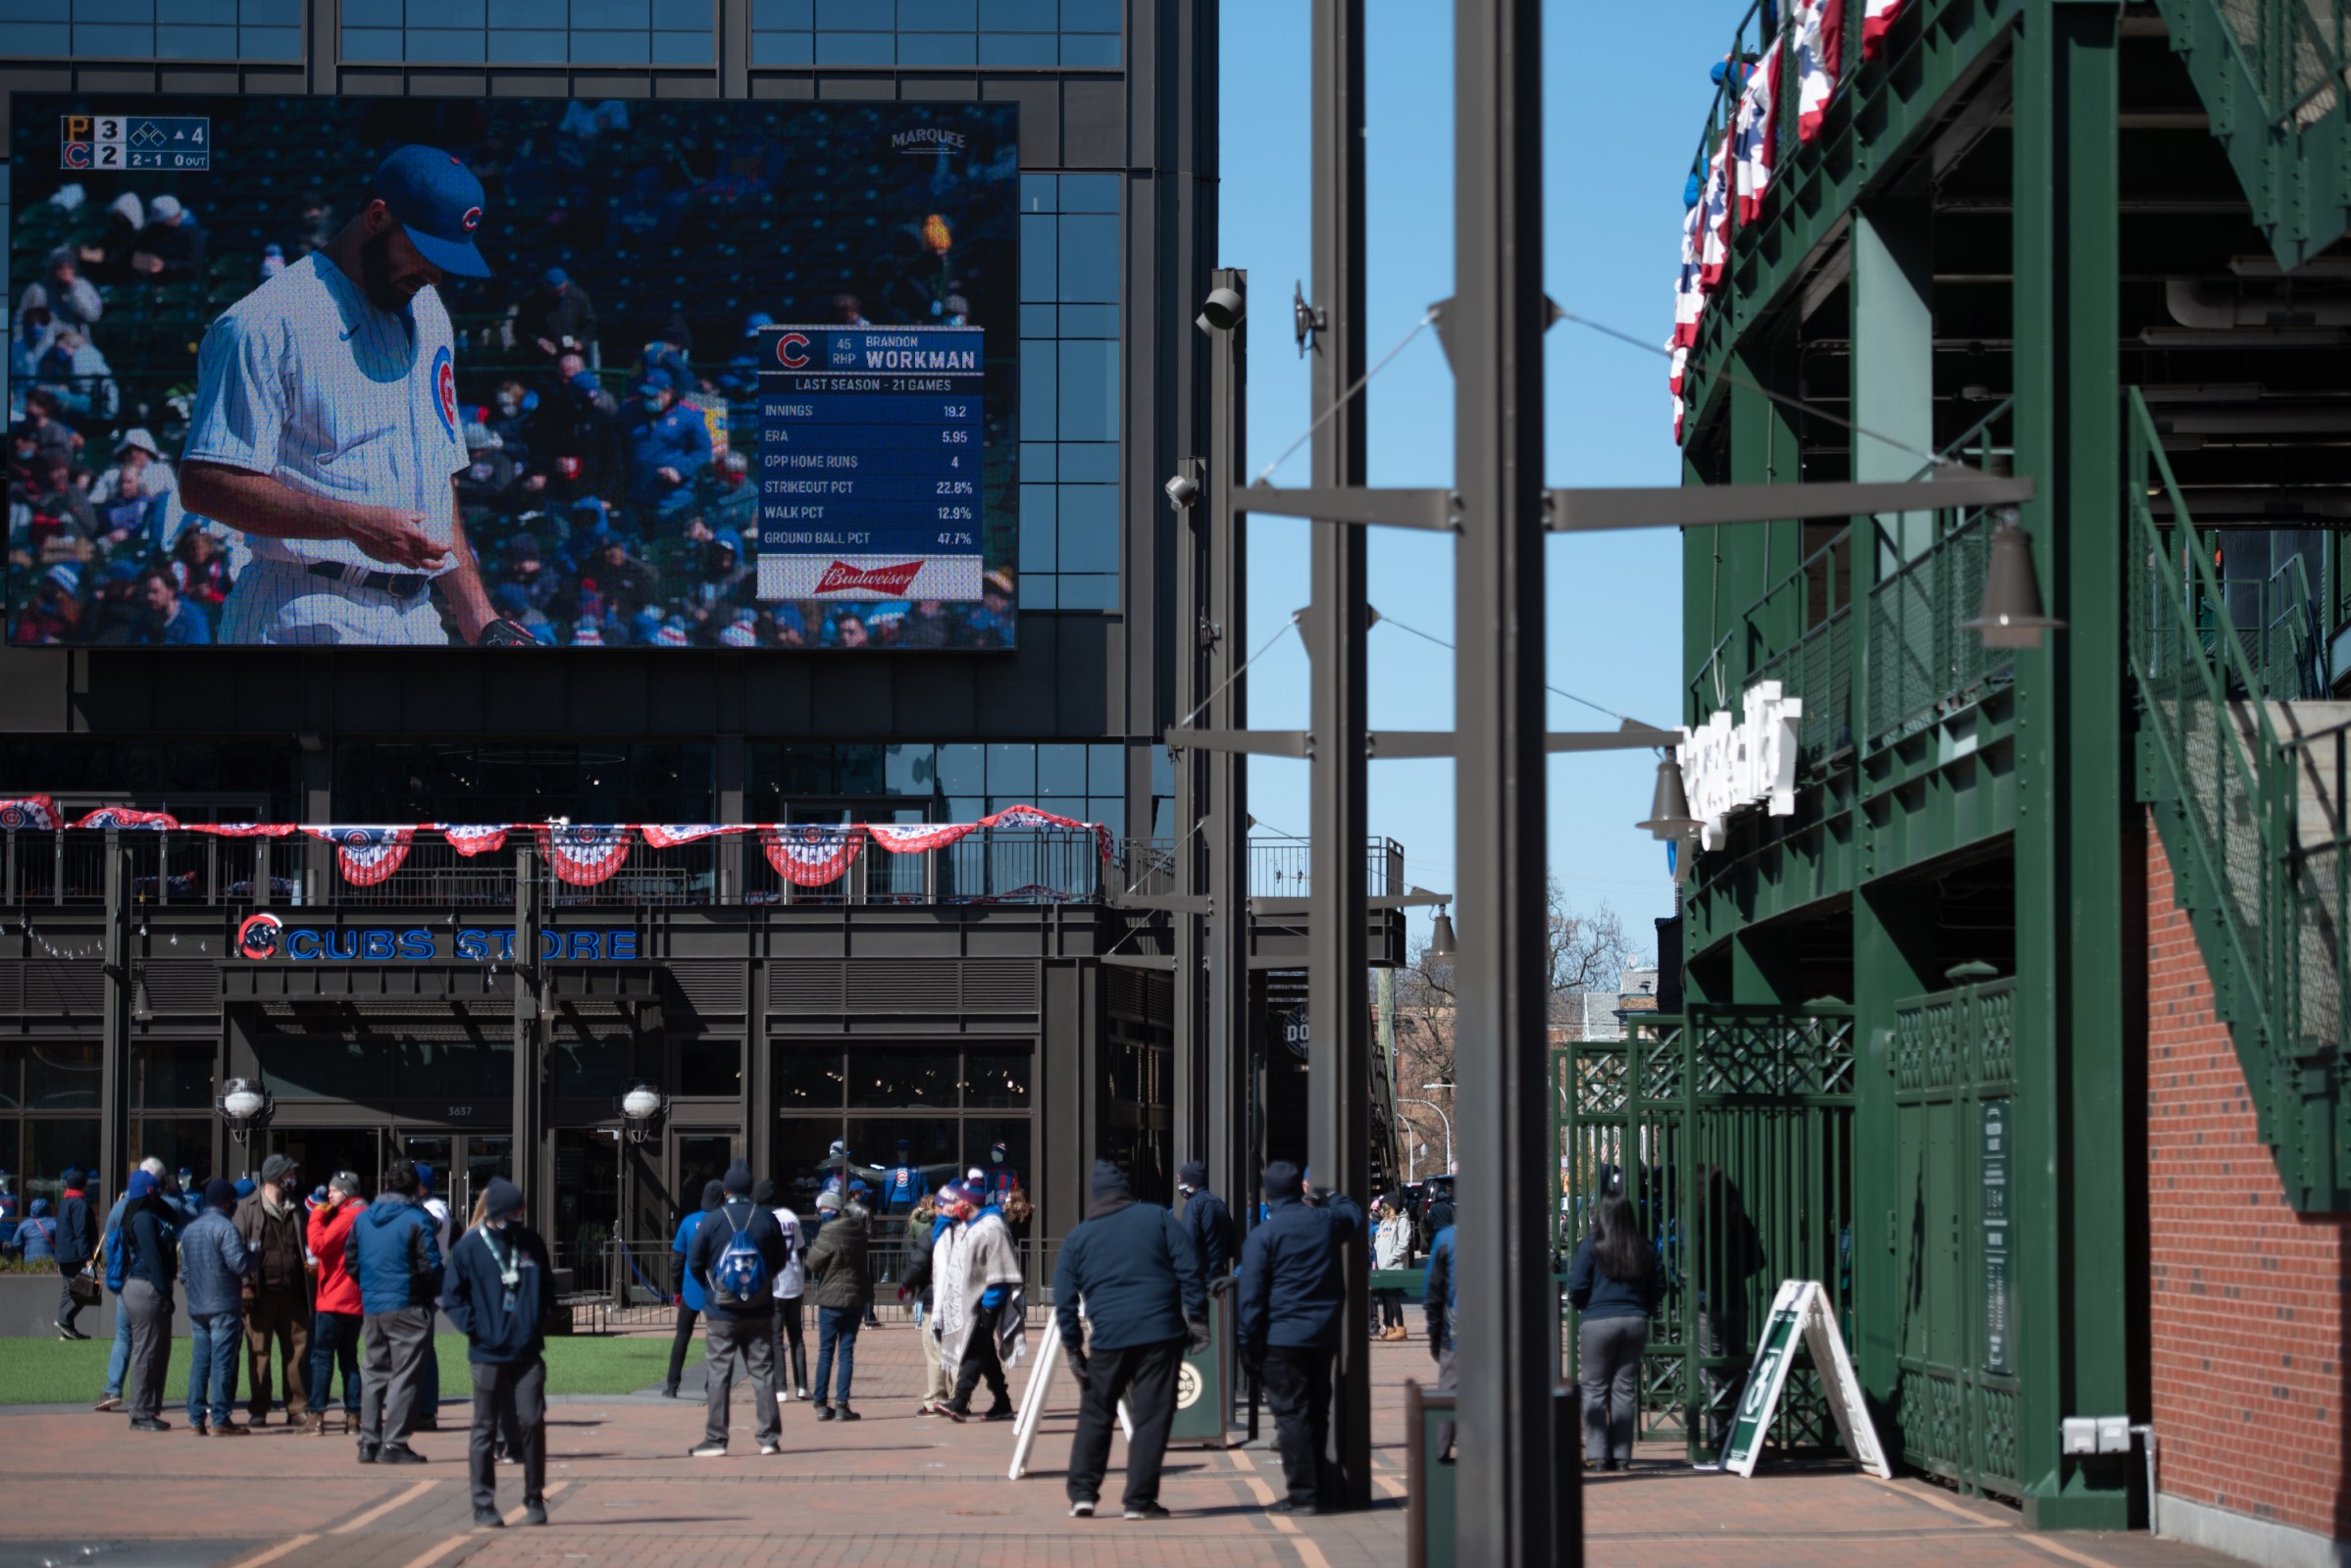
992	991
2018	1016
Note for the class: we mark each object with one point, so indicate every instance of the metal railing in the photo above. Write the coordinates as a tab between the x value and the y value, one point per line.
1816	599
1278	867
2255	821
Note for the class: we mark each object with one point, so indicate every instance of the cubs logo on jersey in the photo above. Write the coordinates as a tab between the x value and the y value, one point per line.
445	390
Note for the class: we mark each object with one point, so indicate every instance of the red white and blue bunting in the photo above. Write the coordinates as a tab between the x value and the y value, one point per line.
367	855
1877	19
1817	43
475	839
38	812
659	837
583	853
1754	137
125	817
810	855
914	839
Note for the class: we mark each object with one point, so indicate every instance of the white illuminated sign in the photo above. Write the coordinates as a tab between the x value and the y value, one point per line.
1752	761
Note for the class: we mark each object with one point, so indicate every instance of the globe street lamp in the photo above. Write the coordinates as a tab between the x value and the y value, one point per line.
245	1103
640	1106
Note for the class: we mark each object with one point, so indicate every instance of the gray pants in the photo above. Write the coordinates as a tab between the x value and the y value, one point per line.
510	1399
391	1371
150	1313
753	1340
1612	1380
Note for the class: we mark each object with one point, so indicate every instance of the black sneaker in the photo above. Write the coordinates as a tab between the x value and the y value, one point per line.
150	1424
845	1413
824	1412
367	1453
669	1391
1001	1412
393	1453
1145	1510
707	1451
535	1513
487	1519
1286	1505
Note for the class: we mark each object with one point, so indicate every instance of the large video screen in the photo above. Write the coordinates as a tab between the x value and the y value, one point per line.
512	373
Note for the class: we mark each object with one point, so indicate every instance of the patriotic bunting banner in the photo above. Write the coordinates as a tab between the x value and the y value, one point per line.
1755	137
125	817
810	855
583	855
1714	219
912	838
480	838
1034	817
1689	298
1818	45
367	855
245	829
29	811
660	836
1877	18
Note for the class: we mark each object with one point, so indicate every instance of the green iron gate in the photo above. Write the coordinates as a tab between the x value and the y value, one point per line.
1732	1128
1951	1231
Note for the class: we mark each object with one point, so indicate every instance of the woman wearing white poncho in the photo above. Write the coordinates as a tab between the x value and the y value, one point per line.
981	1314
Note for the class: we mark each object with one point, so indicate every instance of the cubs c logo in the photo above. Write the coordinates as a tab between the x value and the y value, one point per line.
471	221
791	350
257	937
445	390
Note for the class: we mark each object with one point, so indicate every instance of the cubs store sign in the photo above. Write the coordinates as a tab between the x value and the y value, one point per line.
266	938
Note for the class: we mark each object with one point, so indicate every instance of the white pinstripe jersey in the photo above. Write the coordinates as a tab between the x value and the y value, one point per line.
305	381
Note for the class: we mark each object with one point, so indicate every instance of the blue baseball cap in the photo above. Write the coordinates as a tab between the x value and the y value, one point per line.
439	201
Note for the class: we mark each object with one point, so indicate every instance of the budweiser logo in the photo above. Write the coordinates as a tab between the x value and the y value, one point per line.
891	581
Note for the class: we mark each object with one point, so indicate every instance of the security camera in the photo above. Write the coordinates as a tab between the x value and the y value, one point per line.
1222	312
1183	491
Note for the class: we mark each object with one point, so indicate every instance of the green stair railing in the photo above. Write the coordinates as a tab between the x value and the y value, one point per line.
2276	79
2264	893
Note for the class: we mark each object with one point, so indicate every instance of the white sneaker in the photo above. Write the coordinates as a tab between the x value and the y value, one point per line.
783	1396
1081	1510
771	1449
707	1451
799	1393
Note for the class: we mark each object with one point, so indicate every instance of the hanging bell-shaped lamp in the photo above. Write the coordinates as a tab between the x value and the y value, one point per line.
1440	939
1669	804
2009	615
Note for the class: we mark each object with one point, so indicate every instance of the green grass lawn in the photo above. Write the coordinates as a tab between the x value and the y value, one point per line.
55	1372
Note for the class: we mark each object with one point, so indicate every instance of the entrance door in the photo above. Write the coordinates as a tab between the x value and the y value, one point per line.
463	1164
320	1151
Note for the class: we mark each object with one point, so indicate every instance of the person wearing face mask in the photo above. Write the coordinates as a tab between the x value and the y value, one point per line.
496	1292
667	446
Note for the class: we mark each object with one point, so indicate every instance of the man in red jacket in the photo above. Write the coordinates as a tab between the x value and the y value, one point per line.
335	1335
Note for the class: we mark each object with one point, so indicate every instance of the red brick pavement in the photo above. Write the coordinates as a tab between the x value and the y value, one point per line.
895	1491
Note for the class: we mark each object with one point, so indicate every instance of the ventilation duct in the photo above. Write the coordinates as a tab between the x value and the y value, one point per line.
2217	308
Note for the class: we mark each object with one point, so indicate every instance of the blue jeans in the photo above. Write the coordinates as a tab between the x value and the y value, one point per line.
836	1326
334	1341
214	1338
118	1360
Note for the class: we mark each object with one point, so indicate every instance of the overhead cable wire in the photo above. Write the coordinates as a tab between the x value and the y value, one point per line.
1425	636
1427	320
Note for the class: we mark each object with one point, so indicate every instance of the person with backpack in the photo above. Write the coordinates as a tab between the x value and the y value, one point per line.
214	1263
839	1263
398	1267
75	1241
499	1292
334	1332
142	1260
792	1283
118	1360
689	1289
736	1255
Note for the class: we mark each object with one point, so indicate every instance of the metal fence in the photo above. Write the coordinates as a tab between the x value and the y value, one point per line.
1923	664
1279	867
2299	53
1816	601
634	1285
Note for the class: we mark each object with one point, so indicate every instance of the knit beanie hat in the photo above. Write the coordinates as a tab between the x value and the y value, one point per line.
1109	1181
219	1194
738	1180
501	1199
828	1203
1193	1174
714	1192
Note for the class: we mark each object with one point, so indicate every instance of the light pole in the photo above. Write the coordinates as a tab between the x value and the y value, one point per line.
1442	1117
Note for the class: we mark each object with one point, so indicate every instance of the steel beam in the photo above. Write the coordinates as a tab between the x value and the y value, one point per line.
1582	511
1517	1509
1338	957
1188	904
120	954
1226	834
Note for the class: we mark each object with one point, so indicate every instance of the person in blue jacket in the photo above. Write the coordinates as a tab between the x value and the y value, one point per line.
690	1304
37	1235
1206	1221
1440	1304
150	1266
1134	1269
214	1263
1293	1295
398	1267
499	1294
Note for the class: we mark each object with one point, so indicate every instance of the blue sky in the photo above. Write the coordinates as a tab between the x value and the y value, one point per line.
1626	94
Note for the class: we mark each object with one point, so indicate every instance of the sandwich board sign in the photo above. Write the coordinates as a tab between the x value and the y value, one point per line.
1800	1310
1031	1406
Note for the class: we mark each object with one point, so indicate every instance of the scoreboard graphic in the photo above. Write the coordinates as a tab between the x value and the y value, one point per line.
869	463
113	142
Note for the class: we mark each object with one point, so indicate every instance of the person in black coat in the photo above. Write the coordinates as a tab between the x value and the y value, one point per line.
150	1265
738	1326
498	1292
76	1239
1292	1295
1136	1273
1206	1221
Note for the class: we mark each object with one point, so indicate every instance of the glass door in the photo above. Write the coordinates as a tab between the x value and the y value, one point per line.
320	1151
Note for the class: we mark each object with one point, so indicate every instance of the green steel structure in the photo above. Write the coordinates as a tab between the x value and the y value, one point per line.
2088	243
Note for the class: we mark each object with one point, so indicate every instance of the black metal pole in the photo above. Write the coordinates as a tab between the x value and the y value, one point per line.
120	951
1226	832
1508	1316
1338	959
530	988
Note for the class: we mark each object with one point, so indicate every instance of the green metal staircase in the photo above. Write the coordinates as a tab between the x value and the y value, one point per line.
2275	77
2249	796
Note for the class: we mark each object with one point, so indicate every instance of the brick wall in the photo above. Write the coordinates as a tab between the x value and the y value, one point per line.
2247	1300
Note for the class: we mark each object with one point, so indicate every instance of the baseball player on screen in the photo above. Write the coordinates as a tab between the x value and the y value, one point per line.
326	428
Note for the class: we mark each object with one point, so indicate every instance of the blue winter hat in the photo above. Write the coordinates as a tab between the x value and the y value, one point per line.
439	201
424	1178
40	1207
502	1199
142	1185
555	278
1283	1180
219	1194
244	1187
72	1176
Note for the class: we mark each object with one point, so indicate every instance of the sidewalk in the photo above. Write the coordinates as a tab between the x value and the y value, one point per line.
895	1491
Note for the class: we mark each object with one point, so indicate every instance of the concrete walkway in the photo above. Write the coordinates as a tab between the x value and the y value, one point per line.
892	1490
